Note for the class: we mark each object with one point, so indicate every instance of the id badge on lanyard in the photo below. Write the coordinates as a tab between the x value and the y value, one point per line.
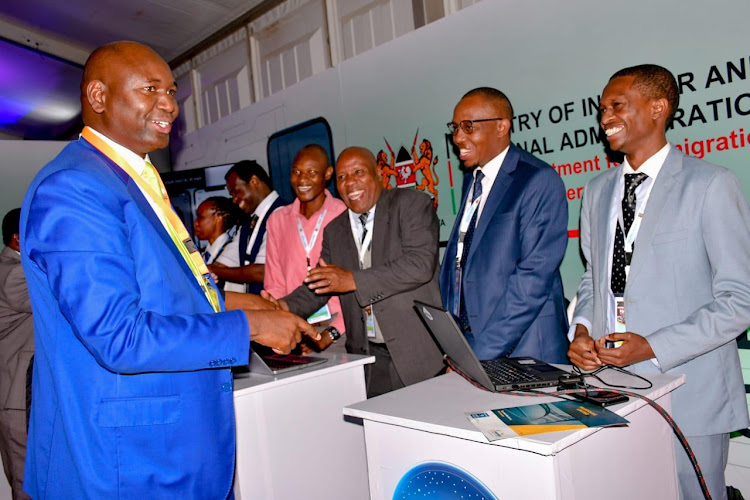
369	322
458	272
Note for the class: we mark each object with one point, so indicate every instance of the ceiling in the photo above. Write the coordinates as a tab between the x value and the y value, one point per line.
44	44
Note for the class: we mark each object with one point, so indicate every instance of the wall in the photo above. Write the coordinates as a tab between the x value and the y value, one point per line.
547	56
19	162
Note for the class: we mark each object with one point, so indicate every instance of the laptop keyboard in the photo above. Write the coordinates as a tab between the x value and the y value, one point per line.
502	373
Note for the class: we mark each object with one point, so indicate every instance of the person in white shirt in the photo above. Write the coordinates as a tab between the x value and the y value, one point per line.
251	190
216	222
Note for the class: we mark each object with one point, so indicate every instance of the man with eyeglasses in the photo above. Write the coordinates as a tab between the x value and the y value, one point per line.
500	274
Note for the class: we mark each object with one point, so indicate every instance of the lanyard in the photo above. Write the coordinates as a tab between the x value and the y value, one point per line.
174	225
308	246
636	225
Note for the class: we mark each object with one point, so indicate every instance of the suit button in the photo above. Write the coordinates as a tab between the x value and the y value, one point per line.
227	387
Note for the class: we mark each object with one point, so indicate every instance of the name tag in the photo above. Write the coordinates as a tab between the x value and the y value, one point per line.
620	326
369	322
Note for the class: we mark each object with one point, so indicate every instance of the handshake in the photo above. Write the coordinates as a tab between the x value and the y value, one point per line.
271	324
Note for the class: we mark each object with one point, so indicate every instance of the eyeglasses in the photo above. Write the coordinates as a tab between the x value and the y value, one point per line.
467	125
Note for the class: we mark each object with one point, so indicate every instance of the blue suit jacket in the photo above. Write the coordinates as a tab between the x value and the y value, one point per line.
511	280
127	400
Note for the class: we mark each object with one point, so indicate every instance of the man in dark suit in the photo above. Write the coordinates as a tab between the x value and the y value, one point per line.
16	351
666	240
500	275
132	387
251	190
379	256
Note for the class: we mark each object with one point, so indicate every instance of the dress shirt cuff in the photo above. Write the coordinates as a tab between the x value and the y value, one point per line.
578	320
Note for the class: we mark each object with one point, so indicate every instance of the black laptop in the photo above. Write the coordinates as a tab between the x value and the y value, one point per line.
504	374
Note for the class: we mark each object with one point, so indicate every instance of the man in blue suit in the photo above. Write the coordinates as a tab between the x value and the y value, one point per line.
132	388
500	274
680	298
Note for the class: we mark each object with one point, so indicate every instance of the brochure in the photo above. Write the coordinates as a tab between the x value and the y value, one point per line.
526	420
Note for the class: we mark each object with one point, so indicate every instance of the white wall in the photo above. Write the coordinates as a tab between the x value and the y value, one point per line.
19	162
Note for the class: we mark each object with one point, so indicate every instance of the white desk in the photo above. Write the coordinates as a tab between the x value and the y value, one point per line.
426	423
293	441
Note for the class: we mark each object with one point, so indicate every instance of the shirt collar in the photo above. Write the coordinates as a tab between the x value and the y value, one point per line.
492	167
135	161
650	167
264	205
326	204
354	216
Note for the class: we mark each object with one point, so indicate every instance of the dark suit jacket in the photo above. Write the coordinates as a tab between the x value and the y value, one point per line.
132	388
404	268
512	285
16	331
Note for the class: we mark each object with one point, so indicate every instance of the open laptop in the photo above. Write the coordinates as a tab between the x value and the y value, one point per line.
504	374
266	362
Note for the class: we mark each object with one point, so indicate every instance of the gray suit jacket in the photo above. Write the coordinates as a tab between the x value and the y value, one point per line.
404	268
16	331
688	291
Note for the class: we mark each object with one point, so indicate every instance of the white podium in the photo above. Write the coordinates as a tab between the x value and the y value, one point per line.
292	440
425	423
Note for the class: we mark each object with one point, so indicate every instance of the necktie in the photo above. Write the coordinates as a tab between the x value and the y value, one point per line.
151	177
619	258
207	257
363	220
477	193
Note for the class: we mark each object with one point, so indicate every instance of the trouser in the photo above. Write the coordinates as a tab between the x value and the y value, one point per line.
13	449
381	376
711	453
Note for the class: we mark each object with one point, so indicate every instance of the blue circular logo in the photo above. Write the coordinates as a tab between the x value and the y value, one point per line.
440	481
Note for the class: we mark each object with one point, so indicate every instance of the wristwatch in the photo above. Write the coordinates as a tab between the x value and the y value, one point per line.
334	333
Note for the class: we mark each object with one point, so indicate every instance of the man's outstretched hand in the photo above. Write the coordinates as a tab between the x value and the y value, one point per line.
279	330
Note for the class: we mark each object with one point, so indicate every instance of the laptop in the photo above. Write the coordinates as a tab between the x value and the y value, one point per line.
504	374
265	361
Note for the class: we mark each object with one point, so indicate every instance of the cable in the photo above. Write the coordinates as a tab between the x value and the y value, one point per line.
583	388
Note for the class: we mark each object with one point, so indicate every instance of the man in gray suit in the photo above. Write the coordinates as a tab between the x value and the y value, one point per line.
668	272
378	256
16	350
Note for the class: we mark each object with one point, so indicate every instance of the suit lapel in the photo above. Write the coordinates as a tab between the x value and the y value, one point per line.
601	220
501	185
663	185
380	228
342	245
145	208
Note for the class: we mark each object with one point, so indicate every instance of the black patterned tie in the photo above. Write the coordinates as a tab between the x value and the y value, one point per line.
363	220
619	258
477	193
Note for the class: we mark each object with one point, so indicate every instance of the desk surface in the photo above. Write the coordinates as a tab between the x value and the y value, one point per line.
248	382
439	405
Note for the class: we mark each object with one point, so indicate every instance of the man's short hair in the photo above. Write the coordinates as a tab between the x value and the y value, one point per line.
492	94
314	147
224	208
246	169
654	82
11	223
